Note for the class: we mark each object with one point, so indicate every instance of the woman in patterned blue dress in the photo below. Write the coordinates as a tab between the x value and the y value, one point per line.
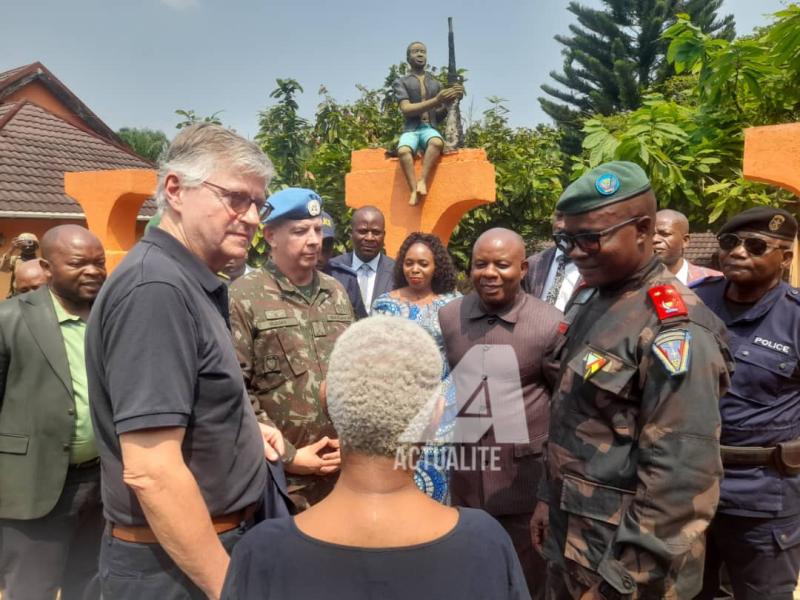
425	281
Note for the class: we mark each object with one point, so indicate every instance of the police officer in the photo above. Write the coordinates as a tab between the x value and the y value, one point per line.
756	531
633	454
285	319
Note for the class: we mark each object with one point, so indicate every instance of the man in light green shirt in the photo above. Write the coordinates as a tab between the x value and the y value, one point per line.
73	330
51	518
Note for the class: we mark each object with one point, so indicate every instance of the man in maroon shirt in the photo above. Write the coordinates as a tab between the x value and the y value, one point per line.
491	329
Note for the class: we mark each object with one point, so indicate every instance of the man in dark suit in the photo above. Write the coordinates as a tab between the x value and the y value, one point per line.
551	276
366	272
496	339
50	513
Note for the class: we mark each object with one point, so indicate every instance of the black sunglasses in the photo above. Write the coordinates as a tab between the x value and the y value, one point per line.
588	242
239	202
753	245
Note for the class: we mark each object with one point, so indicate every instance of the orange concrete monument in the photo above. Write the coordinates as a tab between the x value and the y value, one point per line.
461	181
111	201
772	155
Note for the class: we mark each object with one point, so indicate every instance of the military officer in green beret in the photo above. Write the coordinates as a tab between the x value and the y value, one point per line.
633	464
285	319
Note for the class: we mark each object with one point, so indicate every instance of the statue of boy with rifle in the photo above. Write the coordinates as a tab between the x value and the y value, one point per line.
425	104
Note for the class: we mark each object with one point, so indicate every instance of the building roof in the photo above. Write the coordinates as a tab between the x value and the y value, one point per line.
15	79
703	249
38	147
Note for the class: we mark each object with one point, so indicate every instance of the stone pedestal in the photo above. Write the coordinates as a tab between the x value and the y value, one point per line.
772	155
461	181
111	201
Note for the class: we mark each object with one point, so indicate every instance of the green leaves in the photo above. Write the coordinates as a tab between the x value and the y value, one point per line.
689	137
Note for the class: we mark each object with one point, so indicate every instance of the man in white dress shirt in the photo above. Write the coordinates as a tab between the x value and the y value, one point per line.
366	272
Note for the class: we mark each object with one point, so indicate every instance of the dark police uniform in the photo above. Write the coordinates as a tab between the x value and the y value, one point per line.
756	531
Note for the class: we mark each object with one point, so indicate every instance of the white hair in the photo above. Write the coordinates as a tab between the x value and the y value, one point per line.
198	150
384	381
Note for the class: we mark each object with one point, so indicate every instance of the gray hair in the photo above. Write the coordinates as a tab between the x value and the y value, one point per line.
384	380
199	149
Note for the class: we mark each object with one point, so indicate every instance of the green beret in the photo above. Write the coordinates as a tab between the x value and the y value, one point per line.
606	184
774	222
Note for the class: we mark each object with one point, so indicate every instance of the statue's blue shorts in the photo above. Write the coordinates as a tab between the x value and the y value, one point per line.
419	138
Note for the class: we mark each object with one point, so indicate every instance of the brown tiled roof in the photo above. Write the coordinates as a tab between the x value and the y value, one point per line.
37	148
17	78
703	249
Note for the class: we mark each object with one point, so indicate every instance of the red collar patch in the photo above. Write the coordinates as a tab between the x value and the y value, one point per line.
668	302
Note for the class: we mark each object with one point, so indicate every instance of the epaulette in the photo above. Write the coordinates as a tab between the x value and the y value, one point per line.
794	294
667	302
704	280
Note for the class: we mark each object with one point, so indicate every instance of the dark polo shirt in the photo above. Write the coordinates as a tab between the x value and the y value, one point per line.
530	327
159	354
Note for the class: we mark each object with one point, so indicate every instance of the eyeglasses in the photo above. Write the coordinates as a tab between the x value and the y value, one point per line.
239	202
588	242
753	245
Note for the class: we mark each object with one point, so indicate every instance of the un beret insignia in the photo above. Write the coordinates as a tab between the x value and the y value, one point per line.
607	184
313	207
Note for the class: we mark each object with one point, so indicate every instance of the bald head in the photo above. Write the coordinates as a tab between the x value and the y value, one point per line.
501	237
674	218
671	238
368	230
63	237
498	266
29	275
75	260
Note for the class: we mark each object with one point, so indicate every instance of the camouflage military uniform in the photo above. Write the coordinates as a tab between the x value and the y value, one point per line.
283	340
633	455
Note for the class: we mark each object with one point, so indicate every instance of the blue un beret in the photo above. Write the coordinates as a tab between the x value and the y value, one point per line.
294	204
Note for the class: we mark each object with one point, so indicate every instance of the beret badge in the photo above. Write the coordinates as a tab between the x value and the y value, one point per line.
313	207
607	184
776	222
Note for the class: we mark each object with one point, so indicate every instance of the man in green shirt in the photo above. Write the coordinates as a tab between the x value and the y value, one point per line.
50	511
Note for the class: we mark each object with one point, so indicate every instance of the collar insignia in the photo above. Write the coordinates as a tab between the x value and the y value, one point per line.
592	363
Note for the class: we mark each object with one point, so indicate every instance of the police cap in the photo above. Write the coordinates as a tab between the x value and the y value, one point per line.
774	222
328	229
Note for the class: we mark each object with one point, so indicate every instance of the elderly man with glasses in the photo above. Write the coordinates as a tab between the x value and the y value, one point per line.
183	469
756	532
633	463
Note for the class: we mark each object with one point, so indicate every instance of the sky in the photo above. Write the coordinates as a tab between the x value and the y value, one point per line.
134	62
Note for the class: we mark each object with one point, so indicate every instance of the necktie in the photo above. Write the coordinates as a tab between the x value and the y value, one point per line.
364	272
552	295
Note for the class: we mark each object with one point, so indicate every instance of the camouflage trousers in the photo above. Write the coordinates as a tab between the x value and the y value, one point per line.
569	585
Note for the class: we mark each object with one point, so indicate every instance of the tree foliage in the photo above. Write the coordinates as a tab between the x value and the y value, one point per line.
615	53
147	143
688	134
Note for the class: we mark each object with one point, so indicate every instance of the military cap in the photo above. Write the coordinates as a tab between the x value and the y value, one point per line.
602	186
328	228
774	222
294	204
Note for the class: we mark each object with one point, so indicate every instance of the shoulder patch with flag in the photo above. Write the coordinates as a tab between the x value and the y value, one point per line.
592	363
673	349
